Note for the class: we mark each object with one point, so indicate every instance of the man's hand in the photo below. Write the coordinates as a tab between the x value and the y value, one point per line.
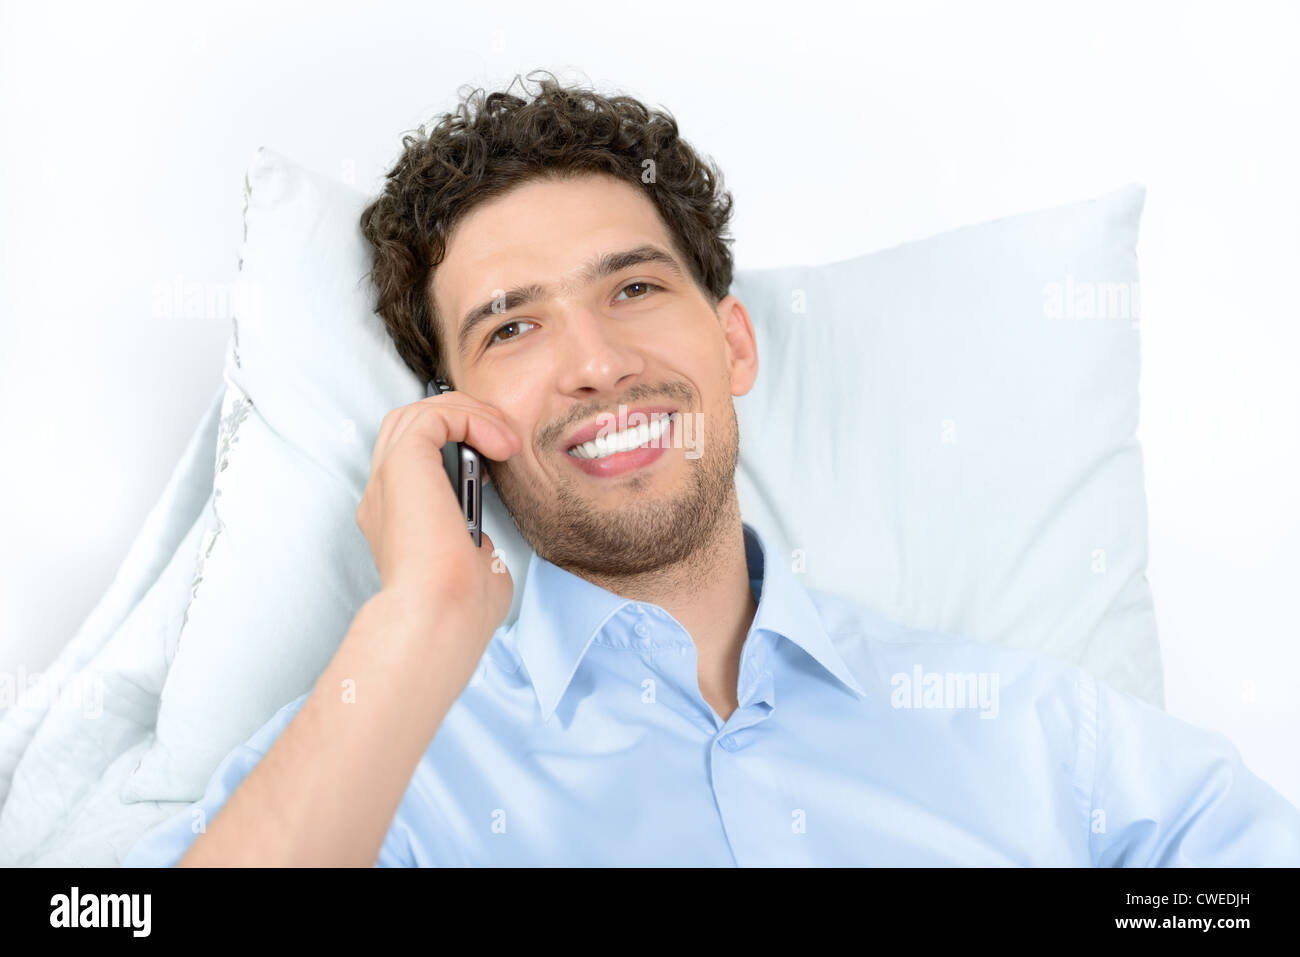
412	519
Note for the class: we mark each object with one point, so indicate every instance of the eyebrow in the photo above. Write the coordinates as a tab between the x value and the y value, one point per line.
595	270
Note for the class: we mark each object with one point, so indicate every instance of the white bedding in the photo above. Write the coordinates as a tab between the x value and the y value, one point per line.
1048	464
71	740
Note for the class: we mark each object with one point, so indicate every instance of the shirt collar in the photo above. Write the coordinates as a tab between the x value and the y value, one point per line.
560	614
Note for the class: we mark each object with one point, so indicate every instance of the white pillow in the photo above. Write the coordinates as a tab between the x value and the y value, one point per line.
943	440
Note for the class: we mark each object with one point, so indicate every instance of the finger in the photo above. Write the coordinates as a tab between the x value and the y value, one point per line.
395	424
462	400
397	418
449	423
465	400
386	427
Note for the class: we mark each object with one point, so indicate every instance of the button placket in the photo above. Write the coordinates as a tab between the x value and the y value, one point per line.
670	657
756	706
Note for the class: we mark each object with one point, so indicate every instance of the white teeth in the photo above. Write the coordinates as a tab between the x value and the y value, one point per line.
630	438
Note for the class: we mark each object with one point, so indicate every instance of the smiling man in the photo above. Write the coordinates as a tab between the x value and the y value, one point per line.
669	694
626	332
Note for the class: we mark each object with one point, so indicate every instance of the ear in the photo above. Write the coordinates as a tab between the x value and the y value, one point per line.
742	347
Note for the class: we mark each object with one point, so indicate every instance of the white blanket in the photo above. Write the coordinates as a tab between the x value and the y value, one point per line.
73	737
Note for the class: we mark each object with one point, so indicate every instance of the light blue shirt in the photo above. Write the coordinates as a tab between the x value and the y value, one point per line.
583	740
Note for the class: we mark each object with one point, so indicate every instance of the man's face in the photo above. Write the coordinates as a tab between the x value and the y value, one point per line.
643	336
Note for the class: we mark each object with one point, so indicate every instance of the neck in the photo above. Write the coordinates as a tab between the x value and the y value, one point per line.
708	593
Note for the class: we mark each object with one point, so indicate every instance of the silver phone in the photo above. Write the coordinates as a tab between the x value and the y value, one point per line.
466	476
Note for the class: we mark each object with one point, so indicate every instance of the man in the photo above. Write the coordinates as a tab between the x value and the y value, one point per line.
670	694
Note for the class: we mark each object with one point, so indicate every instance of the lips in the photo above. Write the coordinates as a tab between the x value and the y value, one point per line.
609	423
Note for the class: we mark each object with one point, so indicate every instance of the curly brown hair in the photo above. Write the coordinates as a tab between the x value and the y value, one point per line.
493	143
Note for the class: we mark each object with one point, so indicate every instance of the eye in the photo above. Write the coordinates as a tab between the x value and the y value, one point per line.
649	285
493	340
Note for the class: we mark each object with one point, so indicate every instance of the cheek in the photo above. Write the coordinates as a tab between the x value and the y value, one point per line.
521	474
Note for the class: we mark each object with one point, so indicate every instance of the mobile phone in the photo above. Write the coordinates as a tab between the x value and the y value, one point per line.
466	476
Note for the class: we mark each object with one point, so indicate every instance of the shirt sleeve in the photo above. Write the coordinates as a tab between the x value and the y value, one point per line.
167	843
1169	794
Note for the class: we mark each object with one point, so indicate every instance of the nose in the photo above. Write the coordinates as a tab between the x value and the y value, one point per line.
597	357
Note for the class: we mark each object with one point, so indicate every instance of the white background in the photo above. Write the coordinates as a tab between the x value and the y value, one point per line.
127	128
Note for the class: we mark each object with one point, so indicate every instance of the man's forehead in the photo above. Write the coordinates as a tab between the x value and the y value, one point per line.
596	268
558	267
504	259
542	232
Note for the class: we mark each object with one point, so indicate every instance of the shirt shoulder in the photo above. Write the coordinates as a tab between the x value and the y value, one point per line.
1171	794
877	649
1035	704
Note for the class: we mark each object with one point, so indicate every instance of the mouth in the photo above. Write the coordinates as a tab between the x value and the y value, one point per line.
627	451
594	441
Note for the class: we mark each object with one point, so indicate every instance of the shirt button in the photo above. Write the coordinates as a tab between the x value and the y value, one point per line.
642	629
729	742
